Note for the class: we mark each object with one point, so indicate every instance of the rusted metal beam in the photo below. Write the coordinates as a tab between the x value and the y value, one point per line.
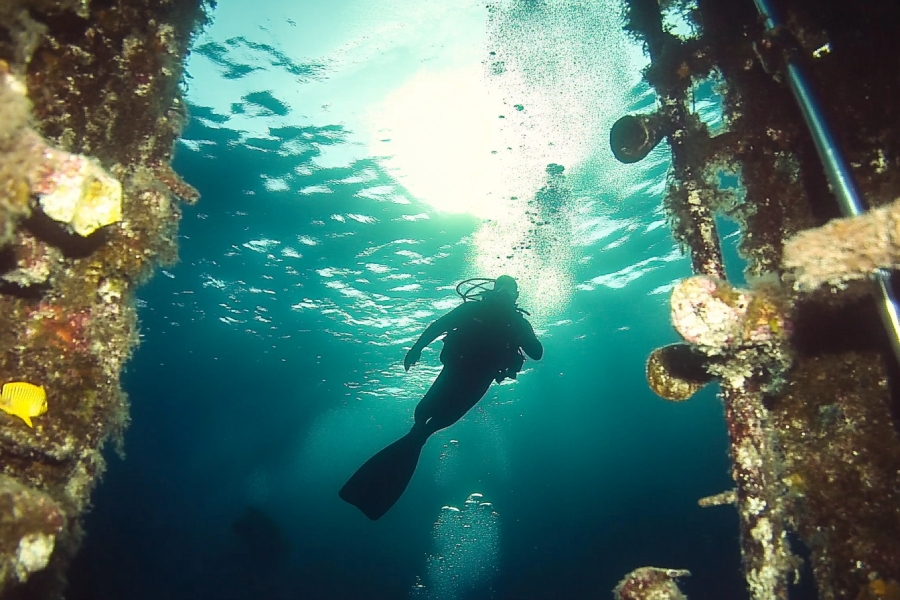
767	560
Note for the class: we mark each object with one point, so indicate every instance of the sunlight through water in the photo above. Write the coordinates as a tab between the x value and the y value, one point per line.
357	160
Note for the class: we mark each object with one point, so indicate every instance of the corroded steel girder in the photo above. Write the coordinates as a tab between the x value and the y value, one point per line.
756	468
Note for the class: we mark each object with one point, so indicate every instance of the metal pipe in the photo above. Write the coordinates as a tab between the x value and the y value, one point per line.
837	171
888	308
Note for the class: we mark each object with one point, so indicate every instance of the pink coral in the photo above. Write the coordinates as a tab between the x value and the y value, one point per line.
710	313
34	260
67	331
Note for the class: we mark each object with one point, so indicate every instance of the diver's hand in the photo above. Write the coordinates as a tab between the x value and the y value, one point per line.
412	357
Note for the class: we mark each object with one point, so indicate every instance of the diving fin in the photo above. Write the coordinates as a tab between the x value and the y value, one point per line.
380	482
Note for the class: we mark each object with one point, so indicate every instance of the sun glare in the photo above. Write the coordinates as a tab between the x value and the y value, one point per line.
437	134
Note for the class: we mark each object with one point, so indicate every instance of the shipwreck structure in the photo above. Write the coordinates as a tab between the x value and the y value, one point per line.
805	358
90	108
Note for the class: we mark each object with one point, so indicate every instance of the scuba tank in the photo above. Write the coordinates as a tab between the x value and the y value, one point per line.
490	339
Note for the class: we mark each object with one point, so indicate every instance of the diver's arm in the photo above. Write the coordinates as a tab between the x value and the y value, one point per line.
530	344
449	321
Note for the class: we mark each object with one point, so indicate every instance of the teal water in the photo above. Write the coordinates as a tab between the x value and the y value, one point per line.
356	163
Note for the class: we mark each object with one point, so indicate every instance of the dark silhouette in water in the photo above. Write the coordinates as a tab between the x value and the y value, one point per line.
261	535
483	344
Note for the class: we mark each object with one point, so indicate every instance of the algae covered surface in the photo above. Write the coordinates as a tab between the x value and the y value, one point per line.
90	101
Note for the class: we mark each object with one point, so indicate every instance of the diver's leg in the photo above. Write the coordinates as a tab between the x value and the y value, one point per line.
430	403
453	394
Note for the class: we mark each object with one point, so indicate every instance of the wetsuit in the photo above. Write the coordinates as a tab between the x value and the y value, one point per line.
482	346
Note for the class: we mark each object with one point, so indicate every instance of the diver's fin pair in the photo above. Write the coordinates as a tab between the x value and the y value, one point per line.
380	482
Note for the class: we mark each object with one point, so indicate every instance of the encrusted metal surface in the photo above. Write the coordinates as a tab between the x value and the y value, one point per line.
817	451
89	110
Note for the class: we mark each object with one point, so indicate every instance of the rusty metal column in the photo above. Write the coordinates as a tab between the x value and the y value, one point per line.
767	560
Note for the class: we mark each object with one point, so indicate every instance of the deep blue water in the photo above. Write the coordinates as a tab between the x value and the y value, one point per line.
270	365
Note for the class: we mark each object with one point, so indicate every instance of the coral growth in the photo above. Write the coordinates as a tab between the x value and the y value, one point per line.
70	188
747	331
89	111
74	190
845	249
30	521
708	312
651	583
18	158
807	406
716	317
728	497
879	589
840	460
677	372
34	260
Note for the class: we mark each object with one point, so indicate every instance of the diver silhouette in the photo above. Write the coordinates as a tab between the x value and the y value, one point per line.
484	343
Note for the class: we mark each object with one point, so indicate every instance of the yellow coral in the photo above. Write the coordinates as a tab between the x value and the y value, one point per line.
76	191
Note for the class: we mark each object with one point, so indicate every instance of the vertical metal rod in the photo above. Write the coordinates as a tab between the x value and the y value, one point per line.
837	171
888	307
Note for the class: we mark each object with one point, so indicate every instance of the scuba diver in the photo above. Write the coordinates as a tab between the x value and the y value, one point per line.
484	343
